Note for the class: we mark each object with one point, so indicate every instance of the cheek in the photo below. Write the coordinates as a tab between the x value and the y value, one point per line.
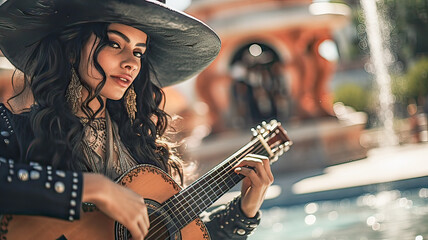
107	59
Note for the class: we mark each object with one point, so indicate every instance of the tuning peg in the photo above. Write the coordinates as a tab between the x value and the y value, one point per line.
254	132
260	129
274	159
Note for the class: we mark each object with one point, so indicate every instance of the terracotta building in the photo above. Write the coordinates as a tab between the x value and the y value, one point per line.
271	64
277	60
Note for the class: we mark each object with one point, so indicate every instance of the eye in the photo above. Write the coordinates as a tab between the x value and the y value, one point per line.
114	44
138	54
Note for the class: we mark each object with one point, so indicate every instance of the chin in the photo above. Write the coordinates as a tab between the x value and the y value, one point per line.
115	97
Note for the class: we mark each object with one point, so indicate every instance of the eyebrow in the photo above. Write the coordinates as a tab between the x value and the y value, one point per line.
126	38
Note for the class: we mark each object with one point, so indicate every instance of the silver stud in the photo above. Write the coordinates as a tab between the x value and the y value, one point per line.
253	225
34	175
73	194
75	180
71	218
75	174
74	187
72	203
3	160
23	175
38	167
240	231
72	212
47	185
59	187
5	134
7	141
11	172
49	172
226	223
221	226
60	173
49	178
49	168
9	178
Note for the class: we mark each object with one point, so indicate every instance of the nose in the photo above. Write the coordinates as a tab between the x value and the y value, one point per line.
130	62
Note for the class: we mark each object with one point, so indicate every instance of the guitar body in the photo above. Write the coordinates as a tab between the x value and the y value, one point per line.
150	182
173	212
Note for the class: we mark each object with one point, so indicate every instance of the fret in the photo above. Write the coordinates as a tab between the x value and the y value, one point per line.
192	201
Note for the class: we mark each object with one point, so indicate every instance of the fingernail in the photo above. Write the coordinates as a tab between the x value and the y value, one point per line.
238	169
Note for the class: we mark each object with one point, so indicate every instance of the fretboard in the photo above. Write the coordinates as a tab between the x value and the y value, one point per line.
186	205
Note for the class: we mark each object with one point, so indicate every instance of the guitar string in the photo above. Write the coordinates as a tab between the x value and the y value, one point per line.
227	170
219	172
205	183
234	183
218	168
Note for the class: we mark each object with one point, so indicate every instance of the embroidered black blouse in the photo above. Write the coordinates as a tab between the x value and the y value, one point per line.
31	189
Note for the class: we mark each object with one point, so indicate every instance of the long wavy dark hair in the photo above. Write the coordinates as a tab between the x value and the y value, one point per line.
58	132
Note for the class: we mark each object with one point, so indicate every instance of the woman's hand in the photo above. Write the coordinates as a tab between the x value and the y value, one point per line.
119	203
258	177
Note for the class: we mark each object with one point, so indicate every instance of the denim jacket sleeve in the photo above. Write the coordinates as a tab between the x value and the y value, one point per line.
229	222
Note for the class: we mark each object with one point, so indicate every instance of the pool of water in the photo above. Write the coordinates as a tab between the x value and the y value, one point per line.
401	215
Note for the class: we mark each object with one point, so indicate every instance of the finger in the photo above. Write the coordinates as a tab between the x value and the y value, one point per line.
135	231
248	159
258	156
266	164
144	227
268	169
145	212
258	166
251	174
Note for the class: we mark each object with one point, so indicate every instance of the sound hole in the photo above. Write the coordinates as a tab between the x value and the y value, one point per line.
161	225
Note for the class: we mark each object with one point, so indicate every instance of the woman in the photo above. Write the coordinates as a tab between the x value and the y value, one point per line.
95	70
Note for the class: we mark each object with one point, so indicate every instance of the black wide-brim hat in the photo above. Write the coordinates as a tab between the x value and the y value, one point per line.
180	45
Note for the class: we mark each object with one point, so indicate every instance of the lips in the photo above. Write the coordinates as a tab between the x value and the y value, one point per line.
122	80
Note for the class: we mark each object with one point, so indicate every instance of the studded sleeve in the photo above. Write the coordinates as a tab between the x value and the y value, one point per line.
229	222
36	190
31	189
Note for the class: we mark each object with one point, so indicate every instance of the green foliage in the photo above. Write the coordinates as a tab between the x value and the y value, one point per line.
416	79
406	24
353	95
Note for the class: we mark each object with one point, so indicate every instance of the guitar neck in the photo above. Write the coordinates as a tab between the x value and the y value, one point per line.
197	197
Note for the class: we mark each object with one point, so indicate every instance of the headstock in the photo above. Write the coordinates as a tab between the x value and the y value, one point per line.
274	139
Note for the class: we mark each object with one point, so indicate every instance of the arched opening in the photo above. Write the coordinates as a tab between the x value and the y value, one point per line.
259	89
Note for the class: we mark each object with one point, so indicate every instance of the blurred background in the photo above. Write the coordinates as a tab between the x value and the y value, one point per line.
348	80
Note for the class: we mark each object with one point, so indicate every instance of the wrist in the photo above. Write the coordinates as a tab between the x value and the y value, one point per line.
92	187
248	212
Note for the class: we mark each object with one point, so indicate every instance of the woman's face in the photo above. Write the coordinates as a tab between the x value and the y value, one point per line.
120	60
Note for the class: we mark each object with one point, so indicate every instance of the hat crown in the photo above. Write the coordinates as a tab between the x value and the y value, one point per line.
181	46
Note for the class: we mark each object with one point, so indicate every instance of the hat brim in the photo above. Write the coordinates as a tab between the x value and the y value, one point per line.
180	45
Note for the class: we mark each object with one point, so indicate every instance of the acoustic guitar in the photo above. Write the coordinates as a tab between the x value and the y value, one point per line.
173	212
